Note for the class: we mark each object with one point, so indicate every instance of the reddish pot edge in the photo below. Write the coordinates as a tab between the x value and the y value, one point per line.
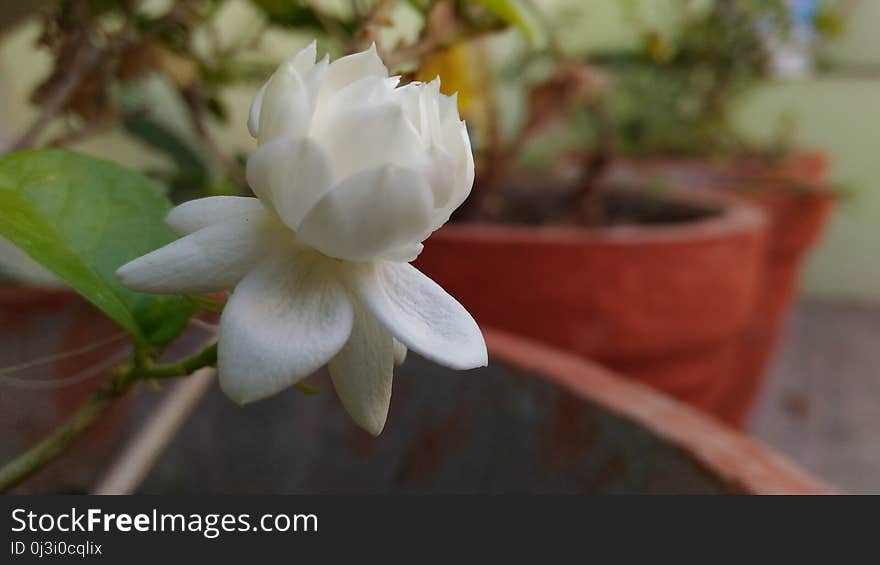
18	293
735	216
745	464
810	166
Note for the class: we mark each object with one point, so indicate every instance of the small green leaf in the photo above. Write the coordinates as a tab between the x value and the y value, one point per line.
82	218
512	12
306	389
205	303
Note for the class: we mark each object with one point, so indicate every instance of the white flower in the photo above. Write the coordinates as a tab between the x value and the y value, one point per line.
352	174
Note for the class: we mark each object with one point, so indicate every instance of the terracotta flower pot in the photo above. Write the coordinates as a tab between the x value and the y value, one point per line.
536	420
664	304
739	463
47	324
794	195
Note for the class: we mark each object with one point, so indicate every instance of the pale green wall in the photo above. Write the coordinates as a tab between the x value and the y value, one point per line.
843	117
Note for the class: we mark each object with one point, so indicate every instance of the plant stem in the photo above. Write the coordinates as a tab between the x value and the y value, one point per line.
62	437
203	358
59	440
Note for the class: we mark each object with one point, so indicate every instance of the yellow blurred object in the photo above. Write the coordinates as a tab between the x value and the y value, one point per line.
453	67
657	46
457	68
183	71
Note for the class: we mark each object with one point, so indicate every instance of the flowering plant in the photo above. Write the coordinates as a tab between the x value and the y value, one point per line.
353	172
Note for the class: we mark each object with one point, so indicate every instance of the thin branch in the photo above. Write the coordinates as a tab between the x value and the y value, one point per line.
82	376
203	358
60	439
65	355
432	44
195	106
81	67
378	18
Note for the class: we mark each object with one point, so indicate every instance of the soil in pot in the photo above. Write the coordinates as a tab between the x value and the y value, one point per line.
663	299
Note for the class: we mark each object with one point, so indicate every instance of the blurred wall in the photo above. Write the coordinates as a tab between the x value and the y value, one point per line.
838	114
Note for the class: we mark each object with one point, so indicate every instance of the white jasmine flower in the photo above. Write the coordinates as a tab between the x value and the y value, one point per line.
352	173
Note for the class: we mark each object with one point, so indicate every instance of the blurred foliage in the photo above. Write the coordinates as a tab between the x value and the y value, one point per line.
672	93
295	14
515	13
105	52
677	94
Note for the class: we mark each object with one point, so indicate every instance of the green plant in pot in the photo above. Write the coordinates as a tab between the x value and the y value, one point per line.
675	119
637	269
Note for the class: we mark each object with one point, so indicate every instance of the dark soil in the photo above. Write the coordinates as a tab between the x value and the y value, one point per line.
618	205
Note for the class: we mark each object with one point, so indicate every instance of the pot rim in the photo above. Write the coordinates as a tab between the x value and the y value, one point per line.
17	293
744	183
736	216
742	463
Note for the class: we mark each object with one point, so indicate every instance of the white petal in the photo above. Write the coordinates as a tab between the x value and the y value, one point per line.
362	136
200	213
362	372
450	162
254	113
449	107
404	254
457	146
285	320
302	63
287	105
304	60
212	259
368	91
369	214
291	174
348	69
399	352
441	176
429	108
420	314
408	97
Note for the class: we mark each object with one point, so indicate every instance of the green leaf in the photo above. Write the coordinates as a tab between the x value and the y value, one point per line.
82	218
297	14
512	12
162	139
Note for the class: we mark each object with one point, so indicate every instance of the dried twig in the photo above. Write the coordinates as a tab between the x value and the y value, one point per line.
83	64
195	108
369	29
